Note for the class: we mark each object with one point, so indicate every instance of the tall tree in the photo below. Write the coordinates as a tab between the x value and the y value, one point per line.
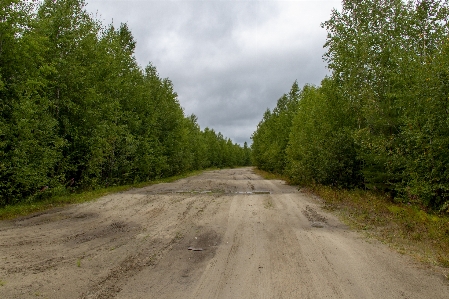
29	145
271	137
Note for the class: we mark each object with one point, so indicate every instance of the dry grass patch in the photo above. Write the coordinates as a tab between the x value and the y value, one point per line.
269	176
407	228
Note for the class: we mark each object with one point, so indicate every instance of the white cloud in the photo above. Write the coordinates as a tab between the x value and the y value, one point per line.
228	60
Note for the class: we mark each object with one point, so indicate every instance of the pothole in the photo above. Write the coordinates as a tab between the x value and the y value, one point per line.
193	191
261	192
316	220
317	224
253	192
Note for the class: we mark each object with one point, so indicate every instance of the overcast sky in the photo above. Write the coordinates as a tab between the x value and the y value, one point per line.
228	60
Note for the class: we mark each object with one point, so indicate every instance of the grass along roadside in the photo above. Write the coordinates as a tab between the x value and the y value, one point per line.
406	228
268	175
26	208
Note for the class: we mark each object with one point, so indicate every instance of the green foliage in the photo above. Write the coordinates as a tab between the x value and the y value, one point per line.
29	145
395	83
77	112
271	137
308	137
321	149
380	121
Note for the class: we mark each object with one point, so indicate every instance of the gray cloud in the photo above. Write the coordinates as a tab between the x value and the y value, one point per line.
228	60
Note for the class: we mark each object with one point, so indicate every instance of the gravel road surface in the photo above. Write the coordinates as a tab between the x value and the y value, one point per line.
222	234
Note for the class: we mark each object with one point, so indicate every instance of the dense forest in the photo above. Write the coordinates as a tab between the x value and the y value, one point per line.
380	121
78	112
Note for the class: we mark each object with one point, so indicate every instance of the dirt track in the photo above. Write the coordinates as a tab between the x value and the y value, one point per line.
255	245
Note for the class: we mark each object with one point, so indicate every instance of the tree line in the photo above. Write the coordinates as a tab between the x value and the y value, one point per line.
77	111
380	121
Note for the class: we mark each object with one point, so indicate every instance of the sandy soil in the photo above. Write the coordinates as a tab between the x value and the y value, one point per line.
259	239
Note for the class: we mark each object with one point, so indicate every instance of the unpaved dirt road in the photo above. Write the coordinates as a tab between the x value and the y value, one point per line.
260	239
